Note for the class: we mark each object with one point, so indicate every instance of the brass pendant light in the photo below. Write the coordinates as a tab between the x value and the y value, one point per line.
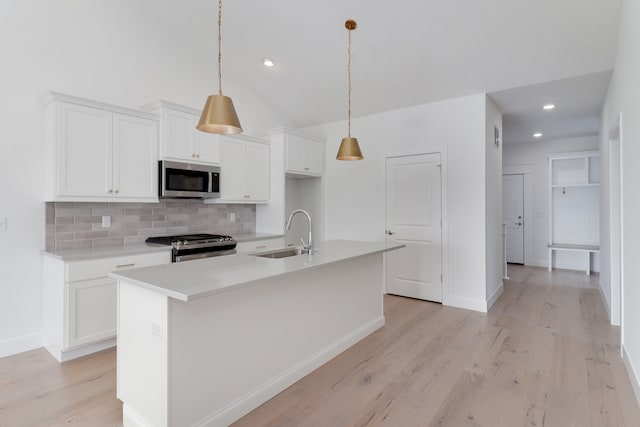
349	148
219	115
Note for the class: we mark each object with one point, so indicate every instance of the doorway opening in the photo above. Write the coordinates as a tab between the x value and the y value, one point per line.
615	223
513	217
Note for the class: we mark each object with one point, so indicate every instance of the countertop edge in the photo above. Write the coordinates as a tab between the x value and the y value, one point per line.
124	276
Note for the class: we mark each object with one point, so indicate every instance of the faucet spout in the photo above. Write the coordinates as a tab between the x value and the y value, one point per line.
309	244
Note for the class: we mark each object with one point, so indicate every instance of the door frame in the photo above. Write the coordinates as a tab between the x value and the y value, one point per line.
429	149
616	287
527	170
524	219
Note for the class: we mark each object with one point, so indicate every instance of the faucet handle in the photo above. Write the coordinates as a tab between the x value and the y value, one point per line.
304	245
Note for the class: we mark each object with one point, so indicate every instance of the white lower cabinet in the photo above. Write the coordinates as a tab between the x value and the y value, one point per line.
91	311
80	302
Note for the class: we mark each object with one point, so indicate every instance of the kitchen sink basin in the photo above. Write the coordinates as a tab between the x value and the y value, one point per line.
282	253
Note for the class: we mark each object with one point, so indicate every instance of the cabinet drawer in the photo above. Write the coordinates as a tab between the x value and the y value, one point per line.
97	268
260	245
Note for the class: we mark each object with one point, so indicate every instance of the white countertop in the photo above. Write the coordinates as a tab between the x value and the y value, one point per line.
105	252
138	248
190	280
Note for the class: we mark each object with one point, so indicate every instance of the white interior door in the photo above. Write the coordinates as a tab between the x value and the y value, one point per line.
513	216
414	217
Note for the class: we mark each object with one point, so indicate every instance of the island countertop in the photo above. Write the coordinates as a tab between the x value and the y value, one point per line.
195	279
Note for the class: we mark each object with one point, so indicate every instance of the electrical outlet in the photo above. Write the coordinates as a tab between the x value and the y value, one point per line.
106	221
3	224
232	217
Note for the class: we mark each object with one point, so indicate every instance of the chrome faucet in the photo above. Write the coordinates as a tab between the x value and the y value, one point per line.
309	245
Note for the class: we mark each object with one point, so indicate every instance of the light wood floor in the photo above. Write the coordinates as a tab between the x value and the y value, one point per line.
544	356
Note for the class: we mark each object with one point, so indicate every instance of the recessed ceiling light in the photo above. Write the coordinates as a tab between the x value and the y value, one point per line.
268	62
548	107
537	135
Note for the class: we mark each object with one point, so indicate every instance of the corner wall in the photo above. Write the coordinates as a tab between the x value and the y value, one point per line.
493	180
623	97
355	191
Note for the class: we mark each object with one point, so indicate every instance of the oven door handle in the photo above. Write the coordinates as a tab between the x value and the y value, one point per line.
202	255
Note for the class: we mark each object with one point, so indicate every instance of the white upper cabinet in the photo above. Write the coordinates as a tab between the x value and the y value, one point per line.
244	175
304	155
98	152
180	140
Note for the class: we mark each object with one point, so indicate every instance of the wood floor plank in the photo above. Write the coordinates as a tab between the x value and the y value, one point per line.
544	355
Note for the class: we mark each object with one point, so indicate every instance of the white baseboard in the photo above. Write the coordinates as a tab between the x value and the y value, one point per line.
269	389
633	377
605	301
21	344
495	295
466	303
130	418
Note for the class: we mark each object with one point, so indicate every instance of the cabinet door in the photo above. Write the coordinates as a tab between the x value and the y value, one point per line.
313	157
177	139
207	147
84	151
134	157
232	169
295	154
91	311
257	171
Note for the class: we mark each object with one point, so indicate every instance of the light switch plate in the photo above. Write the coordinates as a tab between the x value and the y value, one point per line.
232	216
3	224
106	221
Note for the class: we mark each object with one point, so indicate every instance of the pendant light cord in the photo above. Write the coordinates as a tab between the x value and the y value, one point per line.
349	77
219	47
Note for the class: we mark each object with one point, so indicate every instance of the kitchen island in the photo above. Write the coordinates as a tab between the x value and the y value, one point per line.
204	342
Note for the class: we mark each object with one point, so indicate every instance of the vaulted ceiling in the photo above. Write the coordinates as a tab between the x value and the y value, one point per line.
405	52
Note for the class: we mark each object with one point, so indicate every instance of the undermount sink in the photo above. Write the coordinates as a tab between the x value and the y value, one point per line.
282	253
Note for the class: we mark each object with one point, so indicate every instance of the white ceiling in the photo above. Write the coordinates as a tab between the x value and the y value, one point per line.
405	52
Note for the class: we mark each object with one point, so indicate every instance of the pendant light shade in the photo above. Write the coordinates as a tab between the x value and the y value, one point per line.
219	115
349	148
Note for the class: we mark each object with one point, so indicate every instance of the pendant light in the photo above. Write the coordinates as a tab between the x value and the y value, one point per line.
349	148
219	115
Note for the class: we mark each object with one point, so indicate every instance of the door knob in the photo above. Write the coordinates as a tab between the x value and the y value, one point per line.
389	232
518	223
519	217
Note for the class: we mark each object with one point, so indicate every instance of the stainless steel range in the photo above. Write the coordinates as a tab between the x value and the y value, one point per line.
195	246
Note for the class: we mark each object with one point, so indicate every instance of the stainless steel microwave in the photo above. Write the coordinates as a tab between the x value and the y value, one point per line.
188	180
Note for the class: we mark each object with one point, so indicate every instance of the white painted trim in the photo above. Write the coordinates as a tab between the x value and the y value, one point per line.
74	353
21	344
267	390
466	303
495	295
444	209
132	419
633	376
56	96
518	169
605	302
574	154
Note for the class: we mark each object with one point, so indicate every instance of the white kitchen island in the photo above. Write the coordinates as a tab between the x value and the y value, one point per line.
202	343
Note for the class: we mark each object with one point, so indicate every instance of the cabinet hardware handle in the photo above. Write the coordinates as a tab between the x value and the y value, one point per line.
198	155
306	169
193	155
117	191
261	247
110	191
126	265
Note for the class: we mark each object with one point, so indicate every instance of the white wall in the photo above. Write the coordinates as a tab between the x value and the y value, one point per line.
355	191
104	50
537	220
304	193
493	160
623	97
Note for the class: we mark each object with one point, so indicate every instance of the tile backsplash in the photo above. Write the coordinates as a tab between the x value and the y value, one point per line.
74	225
